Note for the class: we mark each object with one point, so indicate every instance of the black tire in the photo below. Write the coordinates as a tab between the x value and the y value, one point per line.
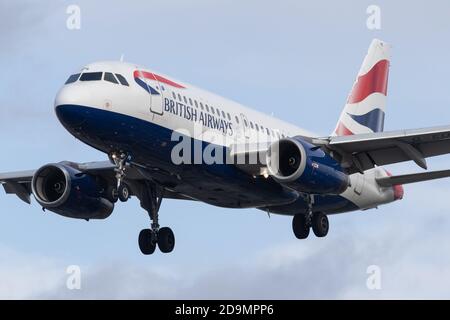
166	240
300	226
146	243
320	224
112	194
124	192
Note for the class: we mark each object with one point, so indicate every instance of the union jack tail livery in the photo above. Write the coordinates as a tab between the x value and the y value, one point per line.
365	107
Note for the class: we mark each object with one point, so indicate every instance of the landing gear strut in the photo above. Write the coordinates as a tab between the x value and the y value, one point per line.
302	223
148	238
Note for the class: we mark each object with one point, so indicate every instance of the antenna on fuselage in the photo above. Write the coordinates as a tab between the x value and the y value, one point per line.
122	57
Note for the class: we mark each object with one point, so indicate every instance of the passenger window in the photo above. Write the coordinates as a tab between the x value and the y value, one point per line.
185	100
196	104
91	76
218	111
207	108
201	105
256	126
110	77
229	117
162	87
246	123
73	78
237	119
190	101
223	114
251	125
122	80
174	95
268	132
179	97
212	110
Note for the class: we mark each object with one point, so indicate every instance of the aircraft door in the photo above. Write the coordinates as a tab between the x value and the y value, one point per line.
245	126
156	94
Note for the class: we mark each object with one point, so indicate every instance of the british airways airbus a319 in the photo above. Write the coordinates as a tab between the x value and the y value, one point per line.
166	139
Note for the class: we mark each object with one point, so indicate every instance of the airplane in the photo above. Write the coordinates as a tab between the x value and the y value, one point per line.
167	139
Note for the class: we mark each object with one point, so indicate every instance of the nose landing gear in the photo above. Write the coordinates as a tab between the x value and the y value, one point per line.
121	191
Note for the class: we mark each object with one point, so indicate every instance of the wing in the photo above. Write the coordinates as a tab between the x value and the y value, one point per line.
361	152
19	183
249	157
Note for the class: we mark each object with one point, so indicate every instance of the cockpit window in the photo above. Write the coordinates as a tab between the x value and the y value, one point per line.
73	78
110	77
122	80
98	76
91	76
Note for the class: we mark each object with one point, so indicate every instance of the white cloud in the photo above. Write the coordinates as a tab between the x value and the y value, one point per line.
412	267
411	248
24	276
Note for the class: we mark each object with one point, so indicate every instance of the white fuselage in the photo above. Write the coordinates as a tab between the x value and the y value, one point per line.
181	107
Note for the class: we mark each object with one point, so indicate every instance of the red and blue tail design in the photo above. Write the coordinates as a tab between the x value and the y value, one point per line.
365	108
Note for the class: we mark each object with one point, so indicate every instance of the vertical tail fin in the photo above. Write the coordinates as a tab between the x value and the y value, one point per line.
365	108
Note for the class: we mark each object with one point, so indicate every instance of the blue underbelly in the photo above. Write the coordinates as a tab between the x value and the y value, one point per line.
150	146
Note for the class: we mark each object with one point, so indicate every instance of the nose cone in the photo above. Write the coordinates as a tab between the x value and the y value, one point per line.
68	105
72	94
70	116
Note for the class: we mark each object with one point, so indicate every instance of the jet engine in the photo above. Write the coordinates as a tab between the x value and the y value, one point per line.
66	191
305	167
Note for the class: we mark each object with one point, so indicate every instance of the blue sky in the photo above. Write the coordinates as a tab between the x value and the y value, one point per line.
295	59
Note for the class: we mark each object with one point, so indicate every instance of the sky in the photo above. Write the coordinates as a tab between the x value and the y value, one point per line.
295	59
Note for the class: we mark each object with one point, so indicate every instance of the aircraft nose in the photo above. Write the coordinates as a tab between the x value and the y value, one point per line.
68	105
72	95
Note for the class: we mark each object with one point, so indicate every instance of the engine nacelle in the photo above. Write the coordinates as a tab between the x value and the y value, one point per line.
70	193
304	167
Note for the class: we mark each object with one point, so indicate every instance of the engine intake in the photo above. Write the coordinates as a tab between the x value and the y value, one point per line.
305	167
66	191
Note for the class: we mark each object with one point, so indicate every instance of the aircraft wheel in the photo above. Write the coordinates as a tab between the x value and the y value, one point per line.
112	194
166	240
146	243
124	192
300	226
320	224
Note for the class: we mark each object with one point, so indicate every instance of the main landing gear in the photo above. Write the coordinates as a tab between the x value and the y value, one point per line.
150	195
149	238
302	223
